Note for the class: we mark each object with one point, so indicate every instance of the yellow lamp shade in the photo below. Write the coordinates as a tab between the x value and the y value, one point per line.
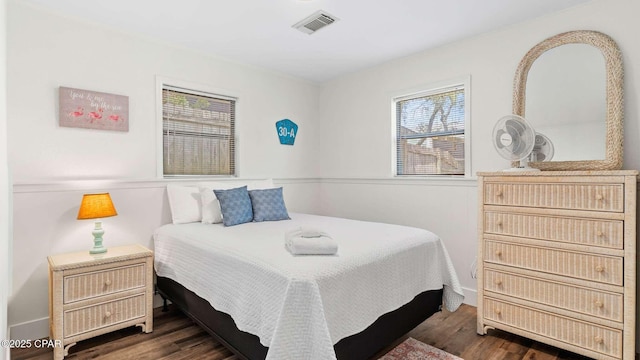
95	206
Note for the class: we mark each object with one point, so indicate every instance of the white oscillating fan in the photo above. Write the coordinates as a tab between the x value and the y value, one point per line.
543	149
514	139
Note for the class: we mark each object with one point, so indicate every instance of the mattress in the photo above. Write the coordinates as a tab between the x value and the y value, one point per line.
300	306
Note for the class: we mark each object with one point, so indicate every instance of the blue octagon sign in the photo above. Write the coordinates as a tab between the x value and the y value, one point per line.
287	131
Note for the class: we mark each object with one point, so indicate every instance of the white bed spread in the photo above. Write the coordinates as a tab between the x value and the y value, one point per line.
300	306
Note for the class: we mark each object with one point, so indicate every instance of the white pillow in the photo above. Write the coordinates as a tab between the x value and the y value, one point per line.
211	213
185	204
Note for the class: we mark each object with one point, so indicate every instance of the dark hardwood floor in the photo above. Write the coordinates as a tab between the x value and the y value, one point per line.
175	337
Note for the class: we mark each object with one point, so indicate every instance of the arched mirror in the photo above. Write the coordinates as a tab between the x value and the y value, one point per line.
570	88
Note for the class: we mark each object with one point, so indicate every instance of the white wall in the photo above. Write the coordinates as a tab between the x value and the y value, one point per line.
49	51
446	208
53	166
5	198
355	117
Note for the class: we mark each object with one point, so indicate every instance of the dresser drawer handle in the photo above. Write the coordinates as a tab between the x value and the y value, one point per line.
498	253
600	268
497	311
599	304
498	282
499	222
107	314
599	197
599	233
498	193
107	282
598	339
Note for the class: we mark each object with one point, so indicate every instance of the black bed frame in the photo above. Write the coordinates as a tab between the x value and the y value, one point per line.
360	346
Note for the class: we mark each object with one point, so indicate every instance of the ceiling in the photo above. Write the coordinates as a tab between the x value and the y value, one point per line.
260	33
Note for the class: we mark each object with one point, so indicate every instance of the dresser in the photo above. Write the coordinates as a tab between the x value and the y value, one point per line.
557	259
90	295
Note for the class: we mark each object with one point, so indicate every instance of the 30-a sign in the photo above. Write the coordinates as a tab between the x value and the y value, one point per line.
287	131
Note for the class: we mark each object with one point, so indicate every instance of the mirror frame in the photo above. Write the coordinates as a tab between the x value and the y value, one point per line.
614	97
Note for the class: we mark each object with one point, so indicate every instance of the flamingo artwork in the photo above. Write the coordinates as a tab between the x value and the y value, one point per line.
79	108
79	112
95	115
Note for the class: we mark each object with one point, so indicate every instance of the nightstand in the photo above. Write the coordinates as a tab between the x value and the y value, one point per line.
90	295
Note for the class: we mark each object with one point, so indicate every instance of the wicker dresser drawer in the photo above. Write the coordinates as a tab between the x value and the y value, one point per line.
81	320
601	197
589	336
606	305
98	283
594	267
604	233
557	259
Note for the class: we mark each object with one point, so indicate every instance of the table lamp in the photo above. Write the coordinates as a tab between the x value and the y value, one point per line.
96	206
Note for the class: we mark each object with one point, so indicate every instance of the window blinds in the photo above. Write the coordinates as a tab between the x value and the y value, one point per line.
198	133
430	133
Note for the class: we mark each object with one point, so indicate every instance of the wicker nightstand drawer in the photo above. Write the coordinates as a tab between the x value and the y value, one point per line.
86	319
97	283
601	197
90	295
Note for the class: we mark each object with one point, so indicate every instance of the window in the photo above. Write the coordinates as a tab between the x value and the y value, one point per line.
430	132
197	133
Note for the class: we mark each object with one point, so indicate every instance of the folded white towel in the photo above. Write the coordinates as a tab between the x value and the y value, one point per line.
309	232
306	241
305	232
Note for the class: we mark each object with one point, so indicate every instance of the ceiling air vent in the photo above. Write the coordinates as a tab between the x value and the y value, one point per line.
315	22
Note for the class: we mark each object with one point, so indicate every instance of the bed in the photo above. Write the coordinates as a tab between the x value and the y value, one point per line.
241	285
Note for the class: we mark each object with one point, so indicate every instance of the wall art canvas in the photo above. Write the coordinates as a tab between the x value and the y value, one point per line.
93	110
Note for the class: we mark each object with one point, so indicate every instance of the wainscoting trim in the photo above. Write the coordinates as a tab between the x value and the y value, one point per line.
75	185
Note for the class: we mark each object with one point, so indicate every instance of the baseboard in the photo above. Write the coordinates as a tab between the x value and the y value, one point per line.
470	296
30	330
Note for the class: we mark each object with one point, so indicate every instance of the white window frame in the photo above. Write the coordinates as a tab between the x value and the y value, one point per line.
195	88
425	90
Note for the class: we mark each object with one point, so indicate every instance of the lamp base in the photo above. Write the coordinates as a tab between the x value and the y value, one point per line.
97	239
98	250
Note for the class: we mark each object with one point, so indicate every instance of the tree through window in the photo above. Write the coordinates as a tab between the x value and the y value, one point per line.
430	133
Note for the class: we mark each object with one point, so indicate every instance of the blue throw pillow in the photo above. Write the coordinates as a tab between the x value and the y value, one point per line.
235	206
268	205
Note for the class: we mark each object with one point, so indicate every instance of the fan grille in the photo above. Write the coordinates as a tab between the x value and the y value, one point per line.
513	137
